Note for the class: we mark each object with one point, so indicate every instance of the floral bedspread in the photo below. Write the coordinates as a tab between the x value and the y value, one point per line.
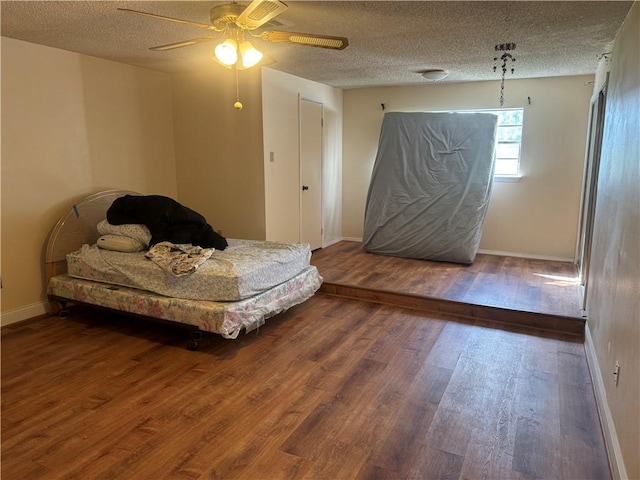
224	318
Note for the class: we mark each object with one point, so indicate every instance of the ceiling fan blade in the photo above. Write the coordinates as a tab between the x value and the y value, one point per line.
309	39
171	19
260	12
186	43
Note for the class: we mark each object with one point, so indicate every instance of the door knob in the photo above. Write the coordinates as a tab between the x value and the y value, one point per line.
305	187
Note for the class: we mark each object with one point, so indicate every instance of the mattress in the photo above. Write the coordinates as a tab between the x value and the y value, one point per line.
244	269
224	318
430	186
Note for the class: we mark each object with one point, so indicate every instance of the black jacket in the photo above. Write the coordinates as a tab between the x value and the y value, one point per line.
166	219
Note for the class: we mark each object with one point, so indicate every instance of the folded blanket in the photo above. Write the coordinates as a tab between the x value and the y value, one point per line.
178	259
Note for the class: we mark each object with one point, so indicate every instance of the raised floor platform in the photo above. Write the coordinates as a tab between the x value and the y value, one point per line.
529	293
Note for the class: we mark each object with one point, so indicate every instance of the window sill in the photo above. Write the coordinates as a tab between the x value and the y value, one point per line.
507	178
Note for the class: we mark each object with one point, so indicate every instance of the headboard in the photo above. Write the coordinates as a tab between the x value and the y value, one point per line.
77	227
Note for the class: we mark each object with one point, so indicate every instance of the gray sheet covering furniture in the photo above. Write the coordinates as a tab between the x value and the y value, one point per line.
430	185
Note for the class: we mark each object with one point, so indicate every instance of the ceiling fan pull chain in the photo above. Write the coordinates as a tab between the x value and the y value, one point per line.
238	104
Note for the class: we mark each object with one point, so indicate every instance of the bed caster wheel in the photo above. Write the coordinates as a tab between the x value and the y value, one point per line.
194	338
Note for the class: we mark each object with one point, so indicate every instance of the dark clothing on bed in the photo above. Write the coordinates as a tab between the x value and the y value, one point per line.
166	219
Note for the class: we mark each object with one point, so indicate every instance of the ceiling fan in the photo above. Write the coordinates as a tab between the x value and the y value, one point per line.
233	21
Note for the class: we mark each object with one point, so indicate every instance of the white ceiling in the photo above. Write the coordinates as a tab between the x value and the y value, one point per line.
389	40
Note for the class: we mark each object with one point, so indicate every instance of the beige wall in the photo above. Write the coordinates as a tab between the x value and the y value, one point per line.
281	93
613	300
218	149
537	216
72	125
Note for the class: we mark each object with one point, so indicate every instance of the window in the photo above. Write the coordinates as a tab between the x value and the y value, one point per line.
509	140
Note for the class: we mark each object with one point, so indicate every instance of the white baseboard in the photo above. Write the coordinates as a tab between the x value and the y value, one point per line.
491	252
24	313
332	242
616	462
525	255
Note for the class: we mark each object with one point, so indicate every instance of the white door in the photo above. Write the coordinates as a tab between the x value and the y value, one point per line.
311	173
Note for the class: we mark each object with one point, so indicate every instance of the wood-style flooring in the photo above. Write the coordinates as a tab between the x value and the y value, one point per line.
540	293
331	389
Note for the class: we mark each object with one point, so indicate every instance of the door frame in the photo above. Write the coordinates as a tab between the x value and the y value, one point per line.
590	187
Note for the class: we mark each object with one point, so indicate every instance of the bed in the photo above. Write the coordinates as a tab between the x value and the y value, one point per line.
234	290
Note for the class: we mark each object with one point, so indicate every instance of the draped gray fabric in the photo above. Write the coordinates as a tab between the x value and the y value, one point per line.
430	185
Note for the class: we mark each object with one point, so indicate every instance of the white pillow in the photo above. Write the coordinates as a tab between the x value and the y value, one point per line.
119	243
133	230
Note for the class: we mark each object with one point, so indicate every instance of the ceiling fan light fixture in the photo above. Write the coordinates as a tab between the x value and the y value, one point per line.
250	55
434	75
227	52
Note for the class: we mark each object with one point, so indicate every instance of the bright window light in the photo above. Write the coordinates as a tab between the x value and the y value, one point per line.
509	141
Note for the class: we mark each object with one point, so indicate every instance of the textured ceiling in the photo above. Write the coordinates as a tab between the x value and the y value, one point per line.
389	41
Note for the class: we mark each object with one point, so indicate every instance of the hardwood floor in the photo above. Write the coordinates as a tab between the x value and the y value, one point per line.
542	294
331	389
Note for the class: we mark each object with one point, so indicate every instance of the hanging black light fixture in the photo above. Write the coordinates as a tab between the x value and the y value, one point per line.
506	49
